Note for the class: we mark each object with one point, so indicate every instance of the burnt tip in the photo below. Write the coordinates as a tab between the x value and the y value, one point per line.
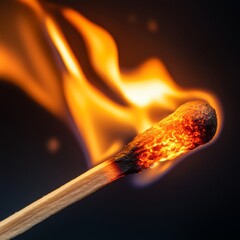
193	124
202	116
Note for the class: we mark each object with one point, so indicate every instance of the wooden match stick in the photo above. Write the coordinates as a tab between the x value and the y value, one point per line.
62	197
191	125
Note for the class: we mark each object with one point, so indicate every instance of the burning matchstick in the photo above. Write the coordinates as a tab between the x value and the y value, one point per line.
191	125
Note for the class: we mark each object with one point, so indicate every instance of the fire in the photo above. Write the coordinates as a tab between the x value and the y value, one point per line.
37	56
191	125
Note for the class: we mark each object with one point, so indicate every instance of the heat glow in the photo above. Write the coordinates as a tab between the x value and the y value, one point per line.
37	56
191	125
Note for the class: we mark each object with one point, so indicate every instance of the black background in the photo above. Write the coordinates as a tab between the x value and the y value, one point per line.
199	199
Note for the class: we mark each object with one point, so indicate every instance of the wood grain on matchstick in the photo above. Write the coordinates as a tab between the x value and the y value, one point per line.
62	197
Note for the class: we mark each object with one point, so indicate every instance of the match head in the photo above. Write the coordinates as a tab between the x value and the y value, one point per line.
191	125
199	120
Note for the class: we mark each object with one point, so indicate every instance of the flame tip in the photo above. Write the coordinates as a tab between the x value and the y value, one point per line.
53	76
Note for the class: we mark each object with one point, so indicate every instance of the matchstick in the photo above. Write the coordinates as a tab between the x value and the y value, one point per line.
191	125
62	197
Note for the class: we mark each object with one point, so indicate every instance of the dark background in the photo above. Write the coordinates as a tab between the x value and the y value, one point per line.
199	198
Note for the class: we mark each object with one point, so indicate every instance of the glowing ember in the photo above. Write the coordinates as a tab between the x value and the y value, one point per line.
36	56
152	25
53	145
191	125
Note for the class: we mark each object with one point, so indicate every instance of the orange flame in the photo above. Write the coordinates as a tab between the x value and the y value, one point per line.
36	55
191	125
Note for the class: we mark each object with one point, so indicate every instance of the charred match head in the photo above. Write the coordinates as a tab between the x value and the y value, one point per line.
191	125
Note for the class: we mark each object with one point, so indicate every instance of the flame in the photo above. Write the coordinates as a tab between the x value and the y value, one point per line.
191	125
37	56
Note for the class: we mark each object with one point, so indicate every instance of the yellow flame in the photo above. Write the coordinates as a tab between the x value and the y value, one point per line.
36	56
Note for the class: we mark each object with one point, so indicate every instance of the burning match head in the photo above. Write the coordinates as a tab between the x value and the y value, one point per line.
191	125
